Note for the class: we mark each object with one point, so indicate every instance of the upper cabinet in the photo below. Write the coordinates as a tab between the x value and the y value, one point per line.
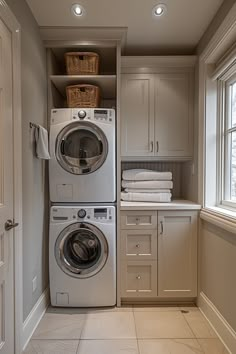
137	112
157	112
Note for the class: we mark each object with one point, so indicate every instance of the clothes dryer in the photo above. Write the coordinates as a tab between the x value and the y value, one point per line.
82	167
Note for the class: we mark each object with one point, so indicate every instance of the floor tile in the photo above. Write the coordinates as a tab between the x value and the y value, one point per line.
199	325
51	347
109	325
59	326
155	308
212	346
120	346
162	325
170	324
169	346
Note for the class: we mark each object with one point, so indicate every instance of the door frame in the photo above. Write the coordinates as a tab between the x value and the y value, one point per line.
13	26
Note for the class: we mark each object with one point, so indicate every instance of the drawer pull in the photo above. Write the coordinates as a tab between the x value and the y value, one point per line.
137	220
138	245
138	277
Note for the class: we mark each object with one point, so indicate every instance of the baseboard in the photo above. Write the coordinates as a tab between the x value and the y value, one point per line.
218	322
34	317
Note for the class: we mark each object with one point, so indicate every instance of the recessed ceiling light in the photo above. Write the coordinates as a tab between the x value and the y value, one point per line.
159	10
77	10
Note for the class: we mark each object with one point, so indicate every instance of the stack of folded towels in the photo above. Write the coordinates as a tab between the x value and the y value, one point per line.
146	186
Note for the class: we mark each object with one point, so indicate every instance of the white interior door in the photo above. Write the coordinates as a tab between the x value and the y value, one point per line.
6	194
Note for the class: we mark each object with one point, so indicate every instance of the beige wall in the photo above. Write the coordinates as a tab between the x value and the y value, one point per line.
34	108
217	269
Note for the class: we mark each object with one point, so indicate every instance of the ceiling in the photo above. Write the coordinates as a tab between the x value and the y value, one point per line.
177	31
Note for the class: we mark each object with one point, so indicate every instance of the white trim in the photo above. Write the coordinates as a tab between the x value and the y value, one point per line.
218	322
219	217
34	317
11	22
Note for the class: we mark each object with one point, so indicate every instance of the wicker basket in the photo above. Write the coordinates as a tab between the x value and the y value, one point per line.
82	63
83	96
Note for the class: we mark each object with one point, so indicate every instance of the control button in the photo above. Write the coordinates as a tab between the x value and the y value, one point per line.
110	217
82	114
88	217
81	213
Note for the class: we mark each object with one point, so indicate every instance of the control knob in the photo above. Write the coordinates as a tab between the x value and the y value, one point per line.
81	213
82	114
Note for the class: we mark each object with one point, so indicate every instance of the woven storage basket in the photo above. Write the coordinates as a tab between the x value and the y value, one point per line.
83	96
82	63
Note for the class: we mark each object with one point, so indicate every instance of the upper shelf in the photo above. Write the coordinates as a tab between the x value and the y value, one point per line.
107	83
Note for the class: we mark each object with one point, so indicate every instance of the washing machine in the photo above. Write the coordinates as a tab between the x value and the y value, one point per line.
82	256
82	167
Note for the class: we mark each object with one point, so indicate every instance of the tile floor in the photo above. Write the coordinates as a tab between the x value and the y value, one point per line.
127	330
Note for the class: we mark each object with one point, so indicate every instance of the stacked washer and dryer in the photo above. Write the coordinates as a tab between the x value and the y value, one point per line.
82	179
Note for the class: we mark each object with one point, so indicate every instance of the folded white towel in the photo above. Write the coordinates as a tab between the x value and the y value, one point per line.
41	140
146	197
146	175
147	184
146	190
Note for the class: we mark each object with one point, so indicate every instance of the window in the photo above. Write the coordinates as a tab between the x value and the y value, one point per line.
228	141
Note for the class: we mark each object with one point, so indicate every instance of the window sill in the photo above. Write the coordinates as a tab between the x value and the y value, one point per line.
223	218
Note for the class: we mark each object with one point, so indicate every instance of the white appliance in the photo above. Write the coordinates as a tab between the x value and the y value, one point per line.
82	256
82	148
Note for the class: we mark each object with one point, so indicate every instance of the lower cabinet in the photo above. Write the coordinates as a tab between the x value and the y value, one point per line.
177	254
139	279
159	259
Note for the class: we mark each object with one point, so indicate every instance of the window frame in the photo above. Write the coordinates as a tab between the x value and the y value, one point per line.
224	157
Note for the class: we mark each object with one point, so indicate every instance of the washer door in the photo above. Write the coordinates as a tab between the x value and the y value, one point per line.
81	148
81	250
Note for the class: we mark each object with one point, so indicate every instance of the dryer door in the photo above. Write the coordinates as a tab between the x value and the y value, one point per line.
81	250
81	148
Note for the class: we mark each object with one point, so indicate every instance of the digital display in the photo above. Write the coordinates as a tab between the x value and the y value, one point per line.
100	111
100	212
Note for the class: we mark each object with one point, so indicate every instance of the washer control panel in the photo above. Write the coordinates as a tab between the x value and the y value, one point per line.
101	214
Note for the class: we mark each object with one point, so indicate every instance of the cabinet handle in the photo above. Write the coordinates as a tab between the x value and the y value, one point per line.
151	146
162	228
137	220
157	146
138	277
138	245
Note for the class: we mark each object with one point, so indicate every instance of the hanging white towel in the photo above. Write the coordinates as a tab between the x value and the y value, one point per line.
146	175
41	140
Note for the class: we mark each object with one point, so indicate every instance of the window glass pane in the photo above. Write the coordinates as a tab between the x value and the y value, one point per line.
233	105
233	167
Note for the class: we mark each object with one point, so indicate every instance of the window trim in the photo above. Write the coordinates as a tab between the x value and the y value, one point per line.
224	132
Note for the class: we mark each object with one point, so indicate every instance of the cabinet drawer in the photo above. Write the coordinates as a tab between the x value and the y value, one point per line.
139	244
139	279
138	219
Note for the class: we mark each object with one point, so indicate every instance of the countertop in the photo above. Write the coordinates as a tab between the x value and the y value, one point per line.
174	205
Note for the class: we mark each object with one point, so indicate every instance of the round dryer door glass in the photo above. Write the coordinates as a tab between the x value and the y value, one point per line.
81	148
81	250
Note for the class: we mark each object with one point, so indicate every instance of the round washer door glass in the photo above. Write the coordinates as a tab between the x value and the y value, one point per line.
81	148
81	250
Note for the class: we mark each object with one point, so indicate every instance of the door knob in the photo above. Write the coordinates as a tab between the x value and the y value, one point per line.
10	224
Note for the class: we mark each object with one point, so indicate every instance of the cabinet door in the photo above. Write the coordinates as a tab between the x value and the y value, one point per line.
139	244
139	279
177	253
173	115
137	115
